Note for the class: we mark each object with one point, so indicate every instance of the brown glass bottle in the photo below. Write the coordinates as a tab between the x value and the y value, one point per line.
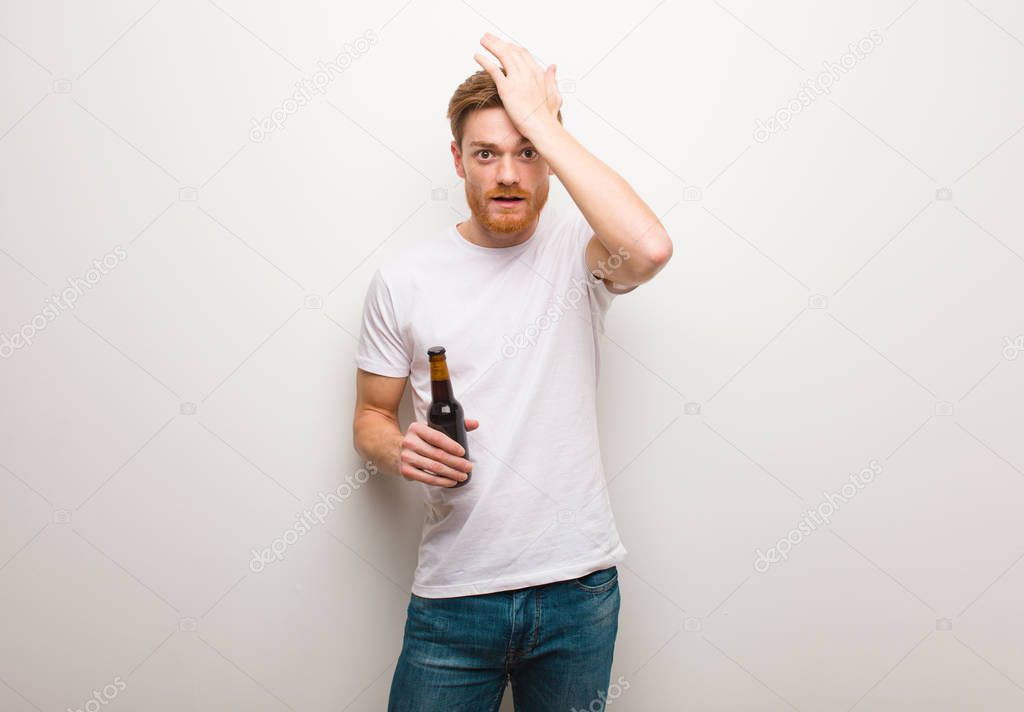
445	412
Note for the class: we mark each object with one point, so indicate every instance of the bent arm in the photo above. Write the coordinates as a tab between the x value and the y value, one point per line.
376	435
619	217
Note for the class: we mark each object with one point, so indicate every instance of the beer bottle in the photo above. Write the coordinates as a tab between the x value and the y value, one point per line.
445	413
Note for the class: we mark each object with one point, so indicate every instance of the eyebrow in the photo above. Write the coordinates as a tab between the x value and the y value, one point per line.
487	144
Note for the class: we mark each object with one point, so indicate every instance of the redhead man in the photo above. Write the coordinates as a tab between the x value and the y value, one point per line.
517	579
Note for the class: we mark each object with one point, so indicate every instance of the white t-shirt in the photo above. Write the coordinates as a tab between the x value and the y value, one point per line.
521	329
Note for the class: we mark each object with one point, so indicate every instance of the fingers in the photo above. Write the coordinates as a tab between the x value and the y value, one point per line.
440	447
440	456
436	438
490	67
431	457
497	47
415	474
510	55
428	465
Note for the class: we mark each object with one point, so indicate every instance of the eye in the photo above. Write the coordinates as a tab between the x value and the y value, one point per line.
531	151
482	151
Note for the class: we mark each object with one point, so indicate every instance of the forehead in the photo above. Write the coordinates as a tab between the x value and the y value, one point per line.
493	126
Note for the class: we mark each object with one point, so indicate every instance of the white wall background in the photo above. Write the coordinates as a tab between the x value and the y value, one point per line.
849	290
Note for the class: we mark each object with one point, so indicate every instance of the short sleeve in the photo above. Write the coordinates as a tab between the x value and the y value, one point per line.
381	348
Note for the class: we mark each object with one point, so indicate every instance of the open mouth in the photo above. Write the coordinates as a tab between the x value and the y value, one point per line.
507	199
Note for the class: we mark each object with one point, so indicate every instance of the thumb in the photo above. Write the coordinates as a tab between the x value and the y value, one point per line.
552	82
472	424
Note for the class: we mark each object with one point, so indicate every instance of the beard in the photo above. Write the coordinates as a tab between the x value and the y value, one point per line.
496	219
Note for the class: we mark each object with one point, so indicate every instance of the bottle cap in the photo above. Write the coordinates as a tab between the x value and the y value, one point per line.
435	350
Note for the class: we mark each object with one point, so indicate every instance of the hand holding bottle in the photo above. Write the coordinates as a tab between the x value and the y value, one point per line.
432	457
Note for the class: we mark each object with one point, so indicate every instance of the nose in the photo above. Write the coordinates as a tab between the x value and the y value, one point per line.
507	174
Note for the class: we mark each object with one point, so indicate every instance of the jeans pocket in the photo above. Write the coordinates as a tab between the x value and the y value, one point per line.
598	581
425	618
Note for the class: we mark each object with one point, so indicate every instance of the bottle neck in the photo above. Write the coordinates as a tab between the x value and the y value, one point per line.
440	382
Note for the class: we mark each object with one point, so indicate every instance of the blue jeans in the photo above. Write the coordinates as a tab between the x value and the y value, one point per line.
554	642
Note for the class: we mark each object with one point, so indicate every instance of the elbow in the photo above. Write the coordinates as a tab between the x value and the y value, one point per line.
655	257
660	254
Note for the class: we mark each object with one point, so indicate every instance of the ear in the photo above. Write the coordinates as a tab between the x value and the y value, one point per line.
459	170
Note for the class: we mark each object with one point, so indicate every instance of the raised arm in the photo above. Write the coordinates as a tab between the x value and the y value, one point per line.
619	217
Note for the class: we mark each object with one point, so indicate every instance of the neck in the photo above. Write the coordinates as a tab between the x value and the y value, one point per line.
476	233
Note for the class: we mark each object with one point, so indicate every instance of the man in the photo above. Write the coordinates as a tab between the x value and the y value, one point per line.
516	578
